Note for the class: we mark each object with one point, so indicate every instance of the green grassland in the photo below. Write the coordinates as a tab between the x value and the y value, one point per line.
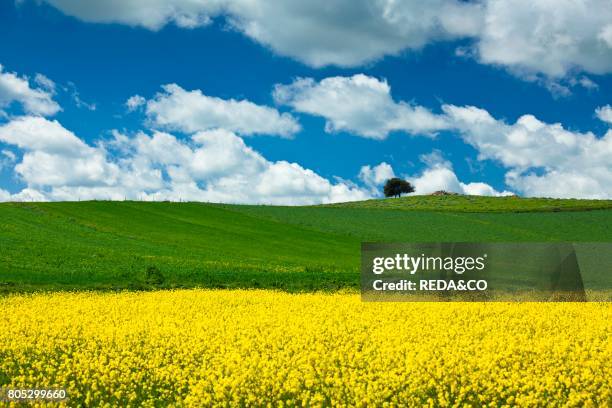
465	203
110	245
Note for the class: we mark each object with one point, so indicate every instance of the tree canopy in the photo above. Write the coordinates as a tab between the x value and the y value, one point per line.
395	187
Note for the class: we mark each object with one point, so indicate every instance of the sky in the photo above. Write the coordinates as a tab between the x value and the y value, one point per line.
253	101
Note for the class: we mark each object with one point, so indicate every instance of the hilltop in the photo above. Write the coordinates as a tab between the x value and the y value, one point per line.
466	203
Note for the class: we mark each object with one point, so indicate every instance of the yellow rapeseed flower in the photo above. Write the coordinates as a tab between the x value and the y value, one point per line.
266	348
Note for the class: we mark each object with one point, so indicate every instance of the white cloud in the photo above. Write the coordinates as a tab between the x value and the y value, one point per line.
151	14
558	87
482	189
350	32
359	104
192	111
7	158
220	152
45	83
588	182
36	133
286	180
585	82
76	98
9	155
543	159
605	35
436	179
54	156
527	143
317	32
37	101
211	165
134	102
375	176
549	37
604	113
39	168
219	166
438	175
26	194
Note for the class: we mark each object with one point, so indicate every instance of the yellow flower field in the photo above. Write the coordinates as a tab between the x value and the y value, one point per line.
206	347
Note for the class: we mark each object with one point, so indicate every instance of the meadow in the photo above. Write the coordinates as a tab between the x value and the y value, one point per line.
467	203
112	245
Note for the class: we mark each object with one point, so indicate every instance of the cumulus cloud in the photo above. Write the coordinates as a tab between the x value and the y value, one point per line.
34	100
214	165
41	169
359	104
543	159
150	14
553	38
344	32
39	134
54	156
134	102
27	194
439	175
375	176
591	182
604	113
193	111
349	32
218	166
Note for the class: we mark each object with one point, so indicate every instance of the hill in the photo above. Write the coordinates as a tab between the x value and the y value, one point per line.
110	245
466	203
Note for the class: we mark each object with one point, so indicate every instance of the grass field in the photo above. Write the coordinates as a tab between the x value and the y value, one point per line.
467	203
111	245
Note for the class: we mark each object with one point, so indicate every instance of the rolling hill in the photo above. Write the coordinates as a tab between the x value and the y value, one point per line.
466	203
111	245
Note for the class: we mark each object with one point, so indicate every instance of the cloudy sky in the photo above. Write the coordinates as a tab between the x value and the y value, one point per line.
297	102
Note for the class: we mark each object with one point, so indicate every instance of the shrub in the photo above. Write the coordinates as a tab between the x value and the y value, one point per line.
153	276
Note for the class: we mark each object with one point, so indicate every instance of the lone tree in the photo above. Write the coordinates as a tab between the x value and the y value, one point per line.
395	187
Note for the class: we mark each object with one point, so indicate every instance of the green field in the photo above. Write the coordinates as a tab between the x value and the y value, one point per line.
466	203
110	245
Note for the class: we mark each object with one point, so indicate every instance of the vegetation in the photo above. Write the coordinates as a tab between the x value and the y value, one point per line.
466	203
203	347
395	187
257	348
137	245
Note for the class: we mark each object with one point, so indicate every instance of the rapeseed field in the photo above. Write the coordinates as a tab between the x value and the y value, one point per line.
259	347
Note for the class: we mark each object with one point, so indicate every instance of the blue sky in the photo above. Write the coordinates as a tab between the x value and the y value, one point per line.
98	55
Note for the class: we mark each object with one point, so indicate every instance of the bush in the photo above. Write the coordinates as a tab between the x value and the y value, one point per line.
153	276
